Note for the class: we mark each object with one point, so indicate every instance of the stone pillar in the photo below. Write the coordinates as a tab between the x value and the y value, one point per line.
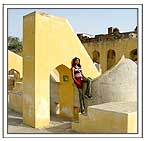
36	102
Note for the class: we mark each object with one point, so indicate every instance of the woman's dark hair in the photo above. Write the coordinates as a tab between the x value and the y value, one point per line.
73	62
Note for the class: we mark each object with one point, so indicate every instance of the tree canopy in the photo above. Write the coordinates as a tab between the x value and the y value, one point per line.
14	44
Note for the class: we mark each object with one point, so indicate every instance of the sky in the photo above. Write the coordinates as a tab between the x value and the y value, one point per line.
90	21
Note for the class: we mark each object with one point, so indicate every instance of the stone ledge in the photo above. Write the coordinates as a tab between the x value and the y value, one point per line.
118	107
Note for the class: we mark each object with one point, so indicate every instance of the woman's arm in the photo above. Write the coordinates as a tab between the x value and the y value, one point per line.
82	74
85	77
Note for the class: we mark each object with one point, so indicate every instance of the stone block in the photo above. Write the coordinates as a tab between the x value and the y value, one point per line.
113	117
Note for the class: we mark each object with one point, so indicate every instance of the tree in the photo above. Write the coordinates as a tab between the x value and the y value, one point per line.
14	44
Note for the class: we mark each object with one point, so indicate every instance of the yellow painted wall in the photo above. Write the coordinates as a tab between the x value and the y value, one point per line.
121	47
66	92
49	41
29	70
15	62
63	42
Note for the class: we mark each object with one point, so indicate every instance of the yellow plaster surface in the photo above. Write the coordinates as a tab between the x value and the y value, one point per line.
66	92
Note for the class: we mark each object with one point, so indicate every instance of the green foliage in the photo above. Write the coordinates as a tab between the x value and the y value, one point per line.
14	44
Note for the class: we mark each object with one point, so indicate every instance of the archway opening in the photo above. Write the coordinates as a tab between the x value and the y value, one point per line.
13	76
96	56
133	55
54	92
111	57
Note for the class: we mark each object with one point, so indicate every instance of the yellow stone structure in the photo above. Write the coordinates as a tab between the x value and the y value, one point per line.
48	42
15	69
112	117
107	49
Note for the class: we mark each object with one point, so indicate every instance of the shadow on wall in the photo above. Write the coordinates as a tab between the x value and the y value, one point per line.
54	92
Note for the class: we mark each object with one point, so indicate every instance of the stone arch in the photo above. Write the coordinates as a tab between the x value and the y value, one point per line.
13	76
96	56
61	92
133	55
111	58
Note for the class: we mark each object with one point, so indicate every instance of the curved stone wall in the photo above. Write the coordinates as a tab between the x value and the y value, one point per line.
117	84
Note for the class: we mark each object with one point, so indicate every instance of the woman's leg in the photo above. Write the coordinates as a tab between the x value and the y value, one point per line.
81	100
88	88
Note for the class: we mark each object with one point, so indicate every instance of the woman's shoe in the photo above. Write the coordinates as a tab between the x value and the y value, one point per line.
83	112
89	96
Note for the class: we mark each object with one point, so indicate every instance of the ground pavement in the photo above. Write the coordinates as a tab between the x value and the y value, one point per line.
57	125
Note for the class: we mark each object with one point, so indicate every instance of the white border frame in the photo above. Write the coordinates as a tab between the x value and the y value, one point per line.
139	7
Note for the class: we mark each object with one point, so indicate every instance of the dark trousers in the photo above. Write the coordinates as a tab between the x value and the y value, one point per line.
87	92
88	87
81	100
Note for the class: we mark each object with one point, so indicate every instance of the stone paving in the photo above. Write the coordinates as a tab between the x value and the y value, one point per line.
57	125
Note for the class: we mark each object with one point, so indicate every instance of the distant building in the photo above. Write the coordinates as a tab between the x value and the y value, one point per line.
107	49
